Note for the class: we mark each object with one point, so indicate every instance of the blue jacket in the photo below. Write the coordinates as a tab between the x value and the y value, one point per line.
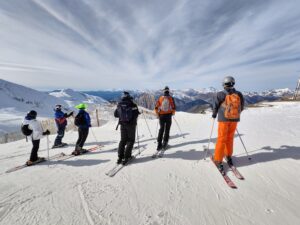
60	119
87	119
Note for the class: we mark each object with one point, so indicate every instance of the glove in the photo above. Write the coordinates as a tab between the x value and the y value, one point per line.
214	116
47	132
71	114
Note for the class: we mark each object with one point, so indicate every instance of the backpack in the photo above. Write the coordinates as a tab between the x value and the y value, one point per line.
232	106
25	130
165	104
125	112
79	120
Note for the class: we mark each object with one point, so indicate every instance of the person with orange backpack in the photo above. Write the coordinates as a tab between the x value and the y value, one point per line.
165	107
227	105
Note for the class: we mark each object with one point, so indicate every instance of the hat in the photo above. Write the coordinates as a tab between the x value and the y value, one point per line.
81	106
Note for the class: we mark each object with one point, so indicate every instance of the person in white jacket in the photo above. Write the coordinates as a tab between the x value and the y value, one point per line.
36	135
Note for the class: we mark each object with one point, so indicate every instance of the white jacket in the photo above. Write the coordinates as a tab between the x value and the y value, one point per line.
36	127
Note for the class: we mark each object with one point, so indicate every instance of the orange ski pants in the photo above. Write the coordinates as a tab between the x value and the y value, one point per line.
224	146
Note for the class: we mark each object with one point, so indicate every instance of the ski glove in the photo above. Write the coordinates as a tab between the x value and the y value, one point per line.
47	132
214	116
70	114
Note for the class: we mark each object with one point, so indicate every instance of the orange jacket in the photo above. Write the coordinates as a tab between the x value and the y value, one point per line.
158	106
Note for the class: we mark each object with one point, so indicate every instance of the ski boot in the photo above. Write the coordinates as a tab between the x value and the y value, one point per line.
119	161
164	145
77	151
159	147
228	159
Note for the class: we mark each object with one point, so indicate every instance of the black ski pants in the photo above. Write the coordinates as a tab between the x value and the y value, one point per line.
34	150
127	140
60	135
82	136
165	122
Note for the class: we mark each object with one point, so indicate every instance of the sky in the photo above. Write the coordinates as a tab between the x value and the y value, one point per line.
143	44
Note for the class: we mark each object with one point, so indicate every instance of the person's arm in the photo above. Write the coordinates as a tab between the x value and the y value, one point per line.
157	105
88	119
217	101
242	101
173	105
116	114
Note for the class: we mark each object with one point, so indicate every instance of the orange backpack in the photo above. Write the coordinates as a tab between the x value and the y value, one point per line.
232	106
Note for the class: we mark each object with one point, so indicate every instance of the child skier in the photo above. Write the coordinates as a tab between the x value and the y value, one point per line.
34	128
61	123
83	122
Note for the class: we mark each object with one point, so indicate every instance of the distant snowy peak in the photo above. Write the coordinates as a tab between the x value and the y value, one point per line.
72	97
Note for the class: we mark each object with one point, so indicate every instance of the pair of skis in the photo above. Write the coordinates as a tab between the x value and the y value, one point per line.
112	172
56	156
227	179
60	156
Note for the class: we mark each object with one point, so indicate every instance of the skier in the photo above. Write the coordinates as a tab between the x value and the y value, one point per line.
164	109
127	112
227	105
34	128
61	123
83	122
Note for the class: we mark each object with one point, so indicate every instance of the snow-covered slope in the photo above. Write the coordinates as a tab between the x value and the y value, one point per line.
180	188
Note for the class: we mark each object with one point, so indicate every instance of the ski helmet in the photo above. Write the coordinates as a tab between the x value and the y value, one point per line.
125	94
32	114
58	107
228	81
81	106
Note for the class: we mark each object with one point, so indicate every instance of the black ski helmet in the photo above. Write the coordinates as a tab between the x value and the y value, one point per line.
32	114
228	82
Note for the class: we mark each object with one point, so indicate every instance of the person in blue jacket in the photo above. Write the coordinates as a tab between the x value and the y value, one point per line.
83	122
61	123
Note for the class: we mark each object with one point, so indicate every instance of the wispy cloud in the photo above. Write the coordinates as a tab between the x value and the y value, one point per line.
88	44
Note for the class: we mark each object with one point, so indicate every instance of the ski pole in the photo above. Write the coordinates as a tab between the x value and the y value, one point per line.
249	158
48	150
94	135
178	127
138	140
147	123
207	149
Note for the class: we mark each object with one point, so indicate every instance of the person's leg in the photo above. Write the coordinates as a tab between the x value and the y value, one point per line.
160	132
80	135
229	139
168	122
59	137
122	143
35	148
85	133
130	140
221	141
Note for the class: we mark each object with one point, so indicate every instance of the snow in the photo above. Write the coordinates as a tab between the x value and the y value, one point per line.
16	100
180	188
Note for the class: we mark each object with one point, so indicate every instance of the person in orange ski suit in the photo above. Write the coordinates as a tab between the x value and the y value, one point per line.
227	105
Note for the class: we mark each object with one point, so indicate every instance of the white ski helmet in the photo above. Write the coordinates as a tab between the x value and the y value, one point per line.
228	81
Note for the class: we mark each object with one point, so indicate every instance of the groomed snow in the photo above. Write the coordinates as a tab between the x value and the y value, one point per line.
179	188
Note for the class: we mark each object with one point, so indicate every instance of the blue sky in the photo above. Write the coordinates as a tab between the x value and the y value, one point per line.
143	44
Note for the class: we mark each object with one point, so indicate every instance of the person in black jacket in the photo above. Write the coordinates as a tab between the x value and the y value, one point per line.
127	112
